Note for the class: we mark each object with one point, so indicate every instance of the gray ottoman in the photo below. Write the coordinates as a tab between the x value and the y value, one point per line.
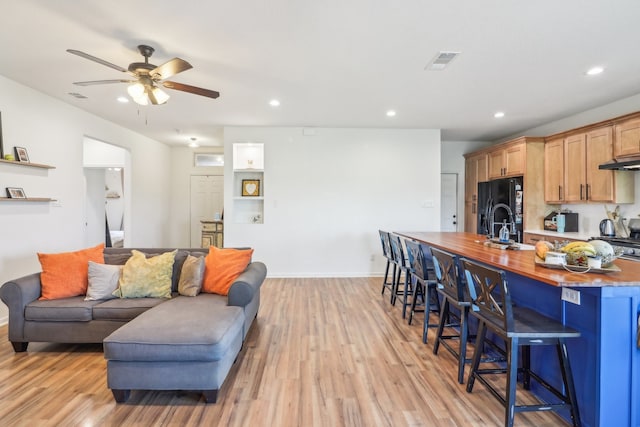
186	343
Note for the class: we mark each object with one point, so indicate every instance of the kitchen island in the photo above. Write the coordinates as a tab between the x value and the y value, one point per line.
605	360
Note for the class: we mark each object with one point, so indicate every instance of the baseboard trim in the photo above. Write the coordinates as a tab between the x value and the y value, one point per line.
321	275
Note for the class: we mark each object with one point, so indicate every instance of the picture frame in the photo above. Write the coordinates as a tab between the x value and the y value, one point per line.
16	193
21	154
250	187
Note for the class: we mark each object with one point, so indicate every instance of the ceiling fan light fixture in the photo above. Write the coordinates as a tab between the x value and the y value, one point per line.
136	90
160	95
142	99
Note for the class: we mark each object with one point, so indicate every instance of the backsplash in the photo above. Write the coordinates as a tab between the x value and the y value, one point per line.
590	215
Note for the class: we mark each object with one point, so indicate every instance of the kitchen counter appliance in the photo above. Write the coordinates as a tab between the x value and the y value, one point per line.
606	228
570	225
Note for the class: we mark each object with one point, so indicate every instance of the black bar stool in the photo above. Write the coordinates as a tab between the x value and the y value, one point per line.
519	327
402	267
423	288
451	288
386	251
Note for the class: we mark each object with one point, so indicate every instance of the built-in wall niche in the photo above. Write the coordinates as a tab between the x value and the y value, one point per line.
248	183
248	155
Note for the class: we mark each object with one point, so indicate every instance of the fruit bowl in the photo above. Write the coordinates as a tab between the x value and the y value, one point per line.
607	260
578	258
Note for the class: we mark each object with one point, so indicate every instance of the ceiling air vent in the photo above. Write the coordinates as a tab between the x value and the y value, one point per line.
441	60
77	95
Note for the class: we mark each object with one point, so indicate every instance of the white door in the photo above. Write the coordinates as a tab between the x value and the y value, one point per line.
449	202
207	200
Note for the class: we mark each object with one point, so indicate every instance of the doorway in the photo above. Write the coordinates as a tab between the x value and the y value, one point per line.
449	202
107	175
207	203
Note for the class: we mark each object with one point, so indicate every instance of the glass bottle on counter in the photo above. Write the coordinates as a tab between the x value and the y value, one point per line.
504	232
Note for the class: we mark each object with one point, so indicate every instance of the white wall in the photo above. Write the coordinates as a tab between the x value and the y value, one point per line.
452	161
52	132
182	168
327	195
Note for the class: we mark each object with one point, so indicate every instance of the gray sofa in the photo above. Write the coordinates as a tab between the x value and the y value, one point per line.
145	338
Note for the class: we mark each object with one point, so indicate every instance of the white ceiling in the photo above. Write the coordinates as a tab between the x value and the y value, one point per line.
333	63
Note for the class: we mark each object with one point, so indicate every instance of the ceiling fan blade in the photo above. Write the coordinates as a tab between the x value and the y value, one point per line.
191	89
169	68
102	82
98	60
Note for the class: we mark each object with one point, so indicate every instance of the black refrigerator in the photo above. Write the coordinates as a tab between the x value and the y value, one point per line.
507	191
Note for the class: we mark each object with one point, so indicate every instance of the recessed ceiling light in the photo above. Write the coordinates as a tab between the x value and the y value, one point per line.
123	99
499	115
193	143
391	113
595	71
274	103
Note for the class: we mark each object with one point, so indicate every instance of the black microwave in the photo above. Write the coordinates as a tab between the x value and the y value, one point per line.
570	222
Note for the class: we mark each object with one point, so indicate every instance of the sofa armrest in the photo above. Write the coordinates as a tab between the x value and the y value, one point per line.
16	294
247	284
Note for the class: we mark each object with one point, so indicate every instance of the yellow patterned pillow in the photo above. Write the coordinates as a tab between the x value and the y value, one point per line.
146	277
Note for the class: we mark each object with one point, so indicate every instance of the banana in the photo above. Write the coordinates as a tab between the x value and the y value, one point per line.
579	246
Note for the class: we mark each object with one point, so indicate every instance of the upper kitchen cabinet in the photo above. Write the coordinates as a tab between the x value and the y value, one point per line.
508	161
575	172
520	157
571	169
606	185
554	171
627	138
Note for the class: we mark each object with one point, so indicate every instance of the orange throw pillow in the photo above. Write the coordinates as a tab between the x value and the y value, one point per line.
66	274
222	267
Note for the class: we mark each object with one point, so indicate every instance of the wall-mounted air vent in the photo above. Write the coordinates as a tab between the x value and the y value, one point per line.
77	95
441	60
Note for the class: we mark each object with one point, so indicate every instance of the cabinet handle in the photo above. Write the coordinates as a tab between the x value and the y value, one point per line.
588	191
581	191
559	192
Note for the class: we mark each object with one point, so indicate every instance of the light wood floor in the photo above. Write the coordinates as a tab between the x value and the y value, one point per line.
324	352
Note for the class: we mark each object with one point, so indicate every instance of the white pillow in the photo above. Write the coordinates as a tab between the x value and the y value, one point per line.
103	280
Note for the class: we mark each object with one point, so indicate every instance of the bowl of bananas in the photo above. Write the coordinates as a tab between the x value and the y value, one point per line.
596	256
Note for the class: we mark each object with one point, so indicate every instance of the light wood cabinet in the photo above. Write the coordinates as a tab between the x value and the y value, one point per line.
627	138
475	172
507	161
533	238
605	185
574	168
520	157
572	173
554	171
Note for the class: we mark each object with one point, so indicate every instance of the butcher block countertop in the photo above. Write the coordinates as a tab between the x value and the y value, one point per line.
523	261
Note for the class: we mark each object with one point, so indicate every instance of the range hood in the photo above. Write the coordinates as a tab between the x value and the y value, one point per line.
629	163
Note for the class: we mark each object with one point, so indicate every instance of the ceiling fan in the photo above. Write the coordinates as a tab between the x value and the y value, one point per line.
148	77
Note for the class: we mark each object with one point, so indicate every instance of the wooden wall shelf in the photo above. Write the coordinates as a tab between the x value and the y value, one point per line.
27	164
28	199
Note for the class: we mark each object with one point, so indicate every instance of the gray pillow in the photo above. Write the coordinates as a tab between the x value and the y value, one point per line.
103	280
191	276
